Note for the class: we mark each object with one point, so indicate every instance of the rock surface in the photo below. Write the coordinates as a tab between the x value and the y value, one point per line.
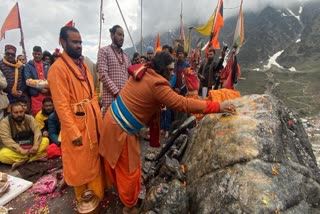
257	161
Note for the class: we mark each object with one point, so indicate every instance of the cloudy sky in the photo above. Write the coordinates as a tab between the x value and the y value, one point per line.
42	19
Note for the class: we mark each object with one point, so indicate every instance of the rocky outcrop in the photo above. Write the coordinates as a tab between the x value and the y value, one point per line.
257	161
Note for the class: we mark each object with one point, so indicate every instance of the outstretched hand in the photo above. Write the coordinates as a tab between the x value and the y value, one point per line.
227	107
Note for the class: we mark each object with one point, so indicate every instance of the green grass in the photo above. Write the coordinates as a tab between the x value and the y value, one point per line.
299	91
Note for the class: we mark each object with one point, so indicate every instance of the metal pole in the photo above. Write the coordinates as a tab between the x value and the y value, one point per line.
101	20
126	27
22	36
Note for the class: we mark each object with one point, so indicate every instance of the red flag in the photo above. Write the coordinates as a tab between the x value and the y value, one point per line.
217	24
231	73
12	21
70	24
157	46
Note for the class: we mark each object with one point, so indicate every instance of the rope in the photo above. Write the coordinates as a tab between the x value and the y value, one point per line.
135	49
81	104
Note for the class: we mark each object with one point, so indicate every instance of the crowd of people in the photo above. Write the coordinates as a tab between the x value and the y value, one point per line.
98	141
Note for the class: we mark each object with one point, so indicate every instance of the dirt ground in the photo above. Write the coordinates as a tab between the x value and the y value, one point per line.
60	202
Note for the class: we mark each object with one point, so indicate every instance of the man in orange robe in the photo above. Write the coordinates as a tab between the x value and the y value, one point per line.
72	89
138	101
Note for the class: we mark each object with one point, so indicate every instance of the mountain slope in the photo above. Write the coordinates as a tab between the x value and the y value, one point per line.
295	30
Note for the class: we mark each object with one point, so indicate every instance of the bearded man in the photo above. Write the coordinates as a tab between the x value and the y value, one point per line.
72	89
42	116
112	66
21	137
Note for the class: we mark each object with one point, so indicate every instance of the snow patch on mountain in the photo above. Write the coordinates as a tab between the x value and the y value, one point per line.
294	15
272	60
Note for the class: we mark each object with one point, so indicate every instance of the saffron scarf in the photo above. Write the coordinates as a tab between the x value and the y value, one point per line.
82	69
16	72
137	71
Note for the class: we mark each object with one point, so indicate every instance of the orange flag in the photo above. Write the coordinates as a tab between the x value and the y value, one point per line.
157	46
217	24
12	21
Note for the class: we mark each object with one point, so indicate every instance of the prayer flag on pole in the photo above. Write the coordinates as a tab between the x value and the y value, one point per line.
206	28
182	36
231	73
157	45
11	22
217	24
187	42
239	32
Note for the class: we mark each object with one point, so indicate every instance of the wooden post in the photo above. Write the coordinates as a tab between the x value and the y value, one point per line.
22	36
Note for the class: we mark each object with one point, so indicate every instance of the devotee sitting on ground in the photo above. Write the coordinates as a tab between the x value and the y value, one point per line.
54	128
42	116
139	103
24	104
21	137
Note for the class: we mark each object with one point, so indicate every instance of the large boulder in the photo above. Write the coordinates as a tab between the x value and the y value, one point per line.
257	161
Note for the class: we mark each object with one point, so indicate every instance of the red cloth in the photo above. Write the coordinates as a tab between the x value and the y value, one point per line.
45	184
212	107
12	21
70	23
36	101
53	151
39	69
192	81
137	71
155	131
10	47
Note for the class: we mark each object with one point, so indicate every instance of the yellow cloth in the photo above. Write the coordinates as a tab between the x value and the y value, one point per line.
97	186
5	133
41	118
206	28
8	156
16	72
